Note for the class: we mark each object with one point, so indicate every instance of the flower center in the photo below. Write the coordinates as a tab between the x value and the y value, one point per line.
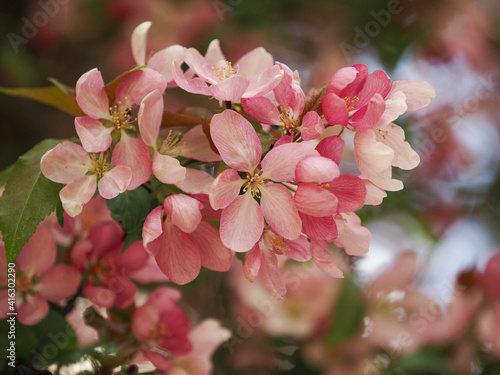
160	330
121	116
24	283
98	166
105	266
254	183
350	102
288	119
225	71
169	145
277	242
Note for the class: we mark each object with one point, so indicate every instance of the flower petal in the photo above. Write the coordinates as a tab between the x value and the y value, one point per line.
195	182
418	93
322	256
254	62
184	211
138	42
195	145
312	126
152	231
213	254
38	254
368	116
77	193
350	191
149	117
225	189
393	136
168	169
133	153
332	148
194	85
315	201
179	257
335	110
377	82
341	79
300	249
162	60
279	210
161	361
135	86
230	89
95	136
98	295
264	82
241	223
236	140
374	194
354	238
214	53
270	273
316	169
319	228
261	109
59	283
91	95
279	164
144	320
252	263
114	182
65	162
33	310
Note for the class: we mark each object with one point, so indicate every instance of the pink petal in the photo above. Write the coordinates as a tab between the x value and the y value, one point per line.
134	87
214	53
225	189
418	93
254	62
152	231
39	253
335	110
236	140
271	275
279	210
312	126
162	60
168	169
81	253
279	164
332	148
91	95
201	66
368	116
377	82
138	42
261	109
65	162
207	212
144	320
179	257
300	249
161	361
106	238
252	263
195	145
316	169
341	79
101	296
77	193
230	89
395	106
319	228
213	254
149	117
206	337
354	238
322	256
149	273
133	153
374	160
284	140
195	182
184	211
374	194
95	136
241	223
132	259
34	309
264	82
393	136
114	182
164	298
315	201
353	88
350	191
124	289
59	283
194	86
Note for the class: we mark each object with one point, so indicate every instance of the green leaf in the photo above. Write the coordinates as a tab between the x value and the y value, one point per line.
348	315
130	210
60	215
4	175
54	96
28	198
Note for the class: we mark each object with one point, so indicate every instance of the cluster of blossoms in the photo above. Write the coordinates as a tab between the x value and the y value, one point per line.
275	188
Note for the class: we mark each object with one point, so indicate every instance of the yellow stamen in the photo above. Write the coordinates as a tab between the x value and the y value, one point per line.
225	71
350	102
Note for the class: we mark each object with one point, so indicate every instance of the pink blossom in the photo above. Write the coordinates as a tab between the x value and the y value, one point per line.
68	163
253	75
161	328
96	136
262	259
38	279
183	242
284	108
242	218
100	258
